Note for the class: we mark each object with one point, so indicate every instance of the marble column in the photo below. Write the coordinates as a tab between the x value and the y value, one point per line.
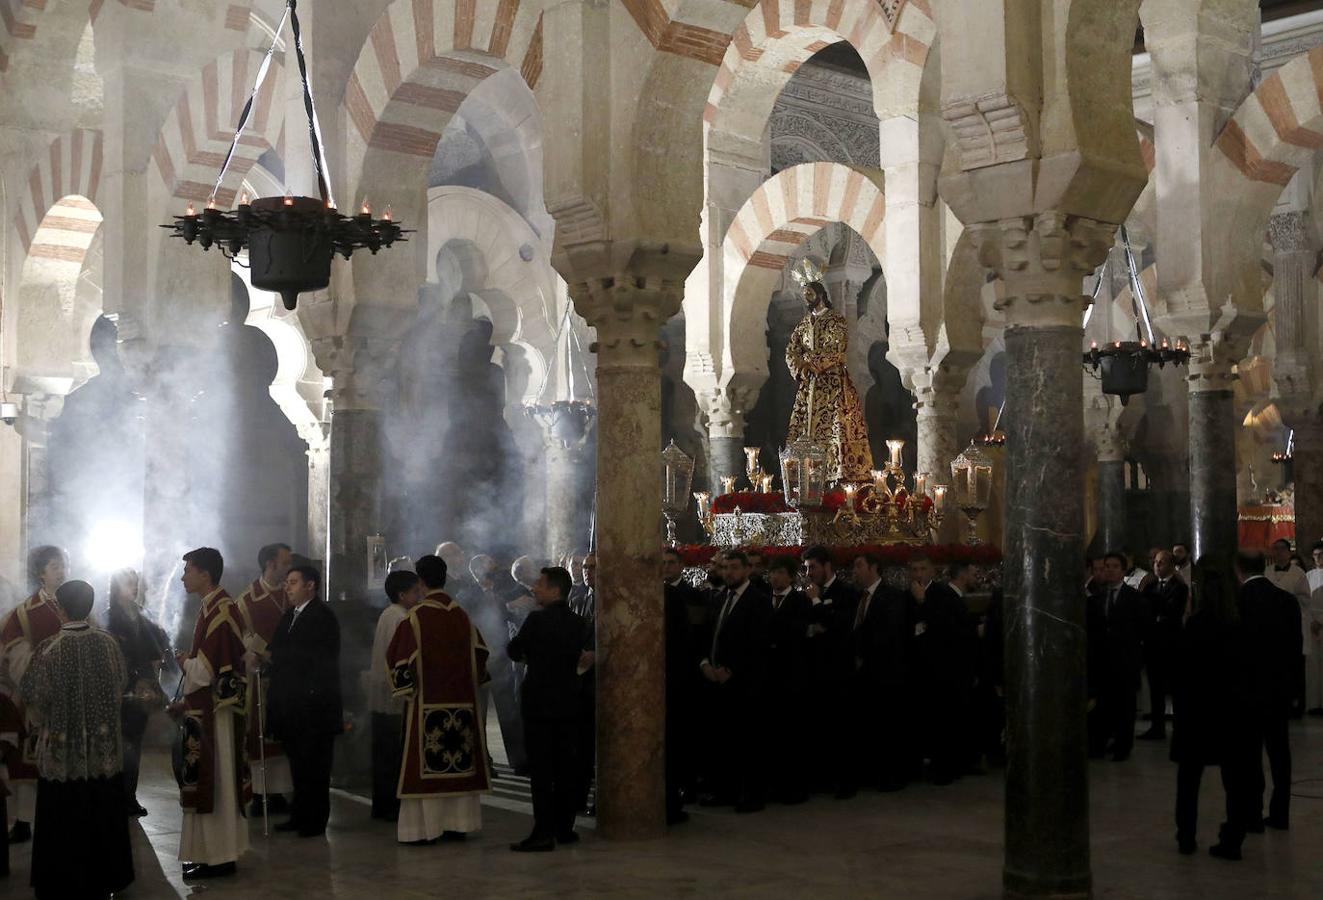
353	501
567	457
936	402
1308	467
627	309
1212	411
1112	523
724	411
1042	260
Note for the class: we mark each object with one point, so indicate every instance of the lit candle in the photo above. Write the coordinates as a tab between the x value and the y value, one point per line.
289	199
921	484
939	495
385	216
190	211
211	203
1093	345
243	198
894	446
367	209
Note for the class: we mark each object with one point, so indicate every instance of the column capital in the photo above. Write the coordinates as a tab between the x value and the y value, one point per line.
1290	232
723	408
1213	362
626	290
356	366
937	387
1043	259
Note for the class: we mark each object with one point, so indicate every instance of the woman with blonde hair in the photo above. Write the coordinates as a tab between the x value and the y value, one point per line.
144	646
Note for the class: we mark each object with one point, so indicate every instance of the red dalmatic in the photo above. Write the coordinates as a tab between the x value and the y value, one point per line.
260	611
34	620
436	661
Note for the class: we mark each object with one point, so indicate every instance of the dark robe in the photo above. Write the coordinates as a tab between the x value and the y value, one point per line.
789	687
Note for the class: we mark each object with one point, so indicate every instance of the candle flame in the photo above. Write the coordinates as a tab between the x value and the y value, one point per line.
243	199
385	216
190	211
289	199
211	203
367	209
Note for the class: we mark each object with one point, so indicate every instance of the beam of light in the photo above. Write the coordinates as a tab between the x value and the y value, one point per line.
113	545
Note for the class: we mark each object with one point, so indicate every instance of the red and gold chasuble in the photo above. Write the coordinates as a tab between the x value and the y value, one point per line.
436	661
260	610
34	620
217	642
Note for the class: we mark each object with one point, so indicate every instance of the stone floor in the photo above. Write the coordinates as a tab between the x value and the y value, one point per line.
924	842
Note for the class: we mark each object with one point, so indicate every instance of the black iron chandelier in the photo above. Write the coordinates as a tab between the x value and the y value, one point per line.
1124	365
290	240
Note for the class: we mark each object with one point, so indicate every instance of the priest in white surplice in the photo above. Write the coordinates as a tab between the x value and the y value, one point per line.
214	781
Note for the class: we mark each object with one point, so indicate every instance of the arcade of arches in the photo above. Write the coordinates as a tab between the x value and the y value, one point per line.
609	199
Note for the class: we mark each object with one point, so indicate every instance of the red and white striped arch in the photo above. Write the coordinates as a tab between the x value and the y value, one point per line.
779	36
1276	131
419	63
780	215
198	130
55	213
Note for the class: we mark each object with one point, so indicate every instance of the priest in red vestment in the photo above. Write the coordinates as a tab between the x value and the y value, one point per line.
27	625
260	609
436	661
214	782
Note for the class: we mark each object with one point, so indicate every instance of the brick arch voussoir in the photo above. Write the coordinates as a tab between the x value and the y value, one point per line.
71	165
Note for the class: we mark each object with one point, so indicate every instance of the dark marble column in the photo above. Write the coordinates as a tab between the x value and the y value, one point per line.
1042	260
1047	797
1111	505
726	457
1308	467
1212	470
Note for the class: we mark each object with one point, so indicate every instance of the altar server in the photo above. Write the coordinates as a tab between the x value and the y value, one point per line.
30	623
436	661
214	781
260	607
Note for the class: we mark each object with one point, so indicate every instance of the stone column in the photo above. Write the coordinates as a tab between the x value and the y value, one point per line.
1295	330
1102	420
936	402
353	500
627	308
1308	466
567	454
724	413
1042	260
319	487
1213	527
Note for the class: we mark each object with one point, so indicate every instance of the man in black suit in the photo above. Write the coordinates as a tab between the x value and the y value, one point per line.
550	643
834	602
879	710
789	675
735	672
306	713
1166	595
1116	623
1270	618
682	685
941	673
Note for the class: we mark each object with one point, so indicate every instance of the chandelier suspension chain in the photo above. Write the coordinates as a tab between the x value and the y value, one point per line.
248	107
314	127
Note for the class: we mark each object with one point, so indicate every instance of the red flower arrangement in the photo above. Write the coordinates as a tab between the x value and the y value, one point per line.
890	554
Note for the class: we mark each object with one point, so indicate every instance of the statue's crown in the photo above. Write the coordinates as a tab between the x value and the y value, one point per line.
807	270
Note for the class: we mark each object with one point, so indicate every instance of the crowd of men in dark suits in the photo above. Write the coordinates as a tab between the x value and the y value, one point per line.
787	659
1224	642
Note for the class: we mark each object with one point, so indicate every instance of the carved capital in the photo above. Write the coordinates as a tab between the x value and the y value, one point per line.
723	409
626	290
357	367
1290	232
1213	362
989	130
1043	259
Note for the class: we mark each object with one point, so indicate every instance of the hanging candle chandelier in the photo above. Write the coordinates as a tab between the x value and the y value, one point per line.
1124	364
290	240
